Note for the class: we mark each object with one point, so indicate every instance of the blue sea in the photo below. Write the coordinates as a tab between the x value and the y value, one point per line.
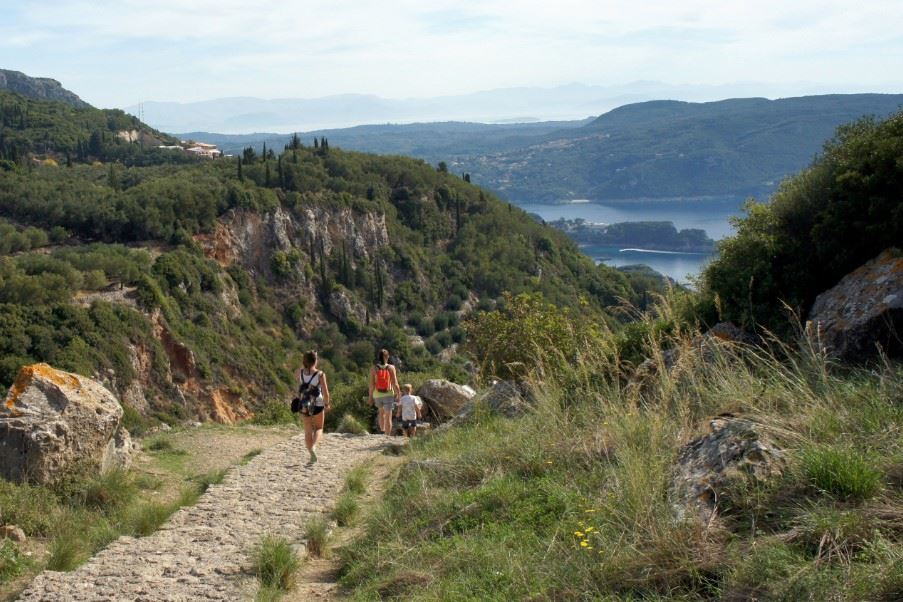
711	215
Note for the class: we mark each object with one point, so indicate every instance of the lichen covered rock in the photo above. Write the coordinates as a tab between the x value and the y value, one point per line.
54	420
734	450
863	312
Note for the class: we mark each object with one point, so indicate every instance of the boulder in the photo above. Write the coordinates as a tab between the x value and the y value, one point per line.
54	420
444	398
13	532
509	398
735	450
863	312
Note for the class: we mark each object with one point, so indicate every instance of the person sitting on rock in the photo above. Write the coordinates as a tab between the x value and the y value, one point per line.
314	394
384	390
409	410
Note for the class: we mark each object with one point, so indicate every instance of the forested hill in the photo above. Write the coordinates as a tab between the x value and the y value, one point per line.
192	288
63	131
657	149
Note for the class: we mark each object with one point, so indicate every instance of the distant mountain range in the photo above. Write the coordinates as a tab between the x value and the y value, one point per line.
656	149
508	105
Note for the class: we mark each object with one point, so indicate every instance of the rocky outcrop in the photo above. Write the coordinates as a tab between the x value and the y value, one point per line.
734	450
54	420
252	238
509	398
39	88
863	312
444	398
345	308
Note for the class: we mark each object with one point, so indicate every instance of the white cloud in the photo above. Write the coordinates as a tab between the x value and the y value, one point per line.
413	48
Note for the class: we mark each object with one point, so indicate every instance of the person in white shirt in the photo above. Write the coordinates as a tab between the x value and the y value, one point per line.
409	410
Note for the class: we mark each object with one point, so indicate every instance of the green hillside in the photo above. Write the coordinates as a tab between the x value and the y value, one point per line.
61	132
658	149
103	256
582	496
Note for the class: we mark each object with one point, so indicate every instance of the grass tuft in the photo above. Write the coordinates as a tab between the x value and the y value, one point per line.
356	480
251	455
346	509
350	424
843	472
275	563
316	532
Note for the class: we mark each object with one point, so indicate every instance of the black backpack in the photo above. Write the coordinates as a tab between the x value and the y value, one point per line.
307	394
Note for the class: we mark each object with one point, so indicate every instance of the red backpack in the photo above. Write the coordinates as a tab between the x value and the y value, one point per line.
383	378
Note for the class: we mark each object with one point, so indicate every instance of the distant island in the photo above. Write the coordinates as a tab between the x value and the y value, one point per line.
653	236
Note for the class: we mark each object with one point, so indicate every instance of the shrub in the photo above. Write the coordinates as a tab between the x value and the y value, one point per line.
845	473
12	561
274	412
819	225
275	563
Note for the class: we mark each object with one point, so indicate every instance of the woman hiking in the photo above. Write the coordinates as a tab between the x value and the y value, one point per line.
384	390
314	394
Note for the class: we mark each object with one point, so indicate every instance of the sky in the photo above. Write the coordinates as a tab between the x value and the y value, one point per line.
116	54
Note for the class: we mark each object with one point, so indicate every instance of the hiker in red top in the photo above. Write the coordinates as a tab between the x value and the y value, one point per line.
384	390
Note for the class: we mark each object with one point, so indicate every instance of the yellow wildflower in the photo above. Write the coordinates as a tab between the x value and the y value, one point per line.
584	544
578	533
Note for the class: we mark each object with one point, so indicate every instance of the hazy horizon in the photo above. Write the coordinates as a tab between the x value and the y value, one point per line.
123	53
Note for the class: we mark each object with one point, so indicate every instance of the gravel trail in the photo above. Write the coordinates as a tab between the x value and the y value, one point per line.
203	551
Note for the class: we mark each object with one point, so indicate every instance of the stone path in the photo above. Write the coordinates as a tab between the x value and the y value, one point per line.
203	551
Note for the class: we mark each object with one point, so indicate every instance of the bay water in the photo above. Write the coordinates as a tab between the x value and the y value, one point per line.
711	215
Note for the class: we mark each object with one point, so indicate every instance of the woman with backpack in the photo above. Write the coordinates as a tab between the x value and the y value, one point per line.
313	393
384	390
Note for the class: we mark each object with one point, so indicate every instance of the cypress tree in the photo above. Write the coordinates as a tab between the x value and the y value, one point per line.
241	176
267	175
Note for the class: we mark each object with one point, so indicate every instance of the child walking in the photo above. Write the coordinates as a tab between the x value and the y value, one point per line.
314	394
409	410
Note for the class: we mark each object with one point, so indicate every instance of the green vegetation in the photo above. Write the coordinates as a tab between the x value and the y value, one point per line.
274	564
659	149
316	535
13	562
60	133
108	254
820	225
572	500
346	509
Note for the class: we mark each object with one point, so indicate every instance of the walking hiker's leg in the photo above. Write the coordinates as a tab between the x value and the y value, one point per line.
318	422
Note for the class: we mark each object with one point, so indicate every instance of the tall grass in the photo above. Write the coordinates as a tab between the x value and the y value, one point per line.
573	500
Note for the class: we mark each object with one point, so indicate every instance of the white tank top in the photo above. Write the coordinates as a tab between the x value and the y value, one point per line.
315	381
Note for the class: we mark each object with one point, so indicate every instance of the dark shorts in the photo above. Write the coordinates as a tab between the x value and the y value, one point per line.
408	424
314	410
